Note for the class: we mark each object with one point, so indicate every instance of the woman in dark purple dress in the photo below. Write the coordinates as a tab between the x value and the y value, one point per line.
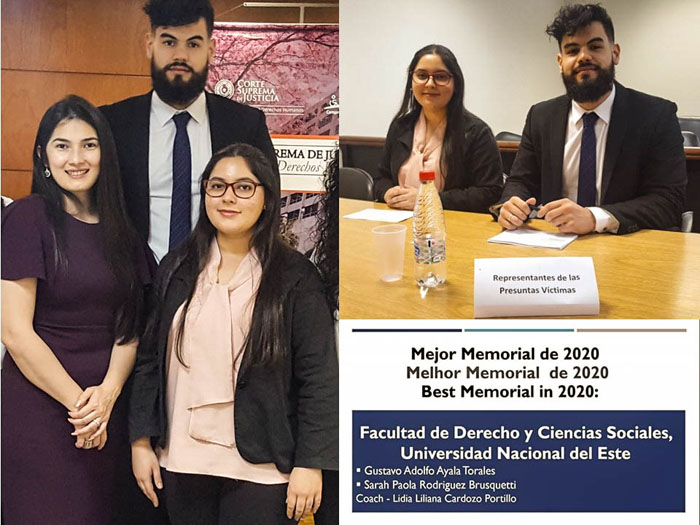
73	275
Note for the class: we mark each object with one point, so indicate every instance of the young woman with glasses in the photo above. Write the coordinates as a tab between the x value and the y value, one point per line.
236	381
433	131
73	282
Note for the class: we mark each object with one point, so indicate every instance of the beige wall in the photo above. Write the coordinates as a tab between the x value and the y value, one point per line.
508	61
93	48
660	43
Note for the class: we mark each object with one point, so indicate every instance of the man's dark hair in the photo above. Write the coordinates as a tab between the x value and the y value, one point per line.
571	18
179	13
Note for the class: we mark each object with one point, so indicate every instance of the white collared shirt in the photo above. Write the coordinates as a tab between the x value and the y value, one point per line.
160	164
604	221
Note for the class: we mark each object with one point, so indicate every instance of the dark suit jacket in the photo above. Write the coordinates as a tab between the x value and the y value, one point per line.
287	415
644	174
129	119
474	188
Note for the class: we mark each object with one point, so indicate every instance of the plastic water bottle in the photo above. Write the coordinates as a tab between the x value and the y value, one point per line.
429	234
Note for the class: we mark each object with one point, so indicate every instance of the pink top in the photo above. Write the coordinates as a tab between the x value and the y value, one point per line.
199	399
425	154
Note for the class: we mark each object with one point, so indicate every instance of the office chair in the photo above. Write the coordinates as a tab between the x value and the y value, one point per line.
691	124
690	139
687	221
356	183
507	135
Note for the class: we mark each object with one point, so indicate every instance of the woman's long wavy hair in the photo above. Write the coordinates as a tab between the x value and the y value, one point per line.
267	325
453	143
326	234
118	239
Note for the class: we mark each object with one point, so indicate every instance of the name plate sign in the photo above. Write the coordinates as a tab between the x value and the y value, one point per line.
535	286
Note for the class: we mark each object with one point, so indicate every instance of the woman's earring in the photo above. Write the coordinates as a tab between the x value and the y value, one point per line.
47	172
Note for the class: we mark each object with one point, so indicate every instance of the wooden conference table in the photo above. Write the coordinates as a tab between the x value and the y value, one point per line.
644	275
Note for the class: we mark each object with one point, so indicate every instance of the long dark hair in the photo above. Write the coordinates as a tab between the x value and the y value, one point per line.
326	234
453	143
267	325
119	241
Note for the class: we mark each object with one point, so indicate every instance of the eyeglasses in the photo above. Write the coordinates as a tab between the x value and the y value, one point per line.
441	78
243	189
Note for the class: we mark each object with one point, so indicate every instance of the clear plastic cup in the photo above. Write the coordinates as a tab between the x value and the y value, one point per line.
389	240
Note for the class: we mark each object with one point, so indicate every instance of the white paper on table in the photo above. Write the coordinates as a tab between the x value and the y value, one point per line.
535	286
536	238
370	214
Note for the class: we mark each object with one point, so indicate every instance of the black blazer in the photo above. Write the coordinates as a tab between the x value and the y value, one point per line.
129	119
474	188
287	415
644	174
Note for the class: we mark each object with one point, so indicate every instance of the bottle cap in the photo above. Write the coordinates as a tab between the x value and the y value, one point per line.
426	175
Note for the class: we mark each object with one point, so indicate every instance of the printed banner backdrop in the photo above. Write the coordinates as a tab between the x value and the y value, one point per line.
290	72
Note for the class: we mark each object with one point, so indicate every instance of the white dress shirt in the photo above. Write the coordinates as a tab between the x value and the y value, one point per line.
160	164
604	221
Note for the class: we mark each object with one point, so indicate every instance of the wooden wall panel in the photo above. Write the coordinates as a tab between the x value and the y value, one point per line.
26	95
252	14
16	184
111	38
228	11
33	34
322	15
93	36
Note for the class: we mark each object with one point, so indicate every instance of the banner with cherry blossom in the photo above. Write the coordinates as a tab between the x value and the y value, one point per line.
290	72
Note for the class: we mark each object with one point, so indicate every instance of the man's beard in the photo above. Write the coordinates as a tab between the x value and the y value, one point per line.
592	88
178	91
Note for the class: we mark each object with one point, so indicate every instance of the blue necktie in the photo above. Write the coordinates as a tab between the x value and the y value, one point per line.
586	166
181	205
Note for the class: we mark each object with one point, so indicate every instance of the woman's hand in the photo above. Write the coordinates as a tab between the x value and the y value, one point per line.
79	440
303	492
400	197
99	442
93	409
144	463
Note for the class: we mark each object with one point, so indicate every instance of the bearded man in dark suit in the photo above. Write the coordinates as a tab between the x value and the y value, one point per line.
166	137
602	158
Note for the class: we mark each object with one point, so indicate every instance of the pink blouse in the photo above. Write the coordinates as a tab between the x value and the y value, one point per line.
199	398
425	155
